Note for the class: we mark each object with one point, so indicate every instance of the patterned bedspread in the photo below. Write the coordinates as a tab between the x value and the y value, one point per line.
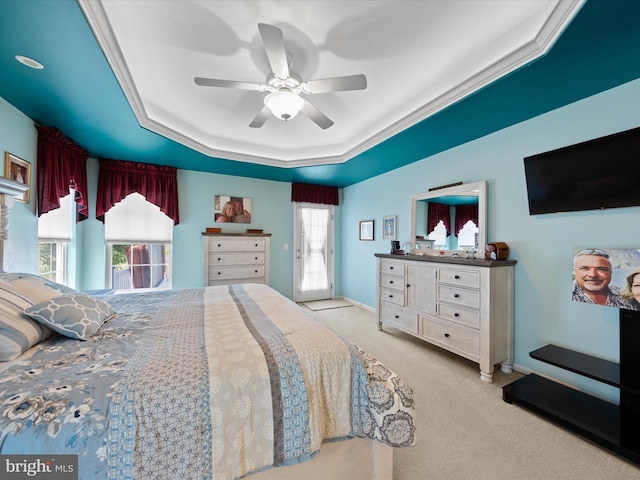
205	383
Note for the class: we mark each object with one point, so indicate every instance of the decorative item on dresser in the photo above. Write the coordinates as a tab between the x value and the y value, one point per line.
463	305
235	258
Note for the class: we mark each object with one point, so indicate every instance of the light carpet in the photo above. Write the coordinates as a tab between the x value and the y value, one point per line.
465	430
327	304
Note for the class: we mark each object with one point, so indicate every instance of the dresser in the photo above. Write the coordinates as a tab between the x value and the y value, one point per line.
235	258
463	305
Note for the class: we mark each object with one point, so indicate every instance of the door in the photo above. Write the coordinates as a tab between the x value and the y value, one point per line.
313	247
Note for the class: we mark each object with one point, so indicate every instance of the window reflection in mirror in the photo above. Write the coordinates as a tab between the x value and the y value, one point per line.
454	217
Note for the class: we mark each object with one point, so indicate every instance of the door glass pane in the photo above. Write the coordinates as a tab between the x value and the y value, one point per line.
313	264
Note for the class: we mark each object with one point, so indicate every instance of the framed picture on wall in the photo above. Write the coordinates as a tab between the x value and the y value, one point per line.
232	209
18	170
389	227
366	230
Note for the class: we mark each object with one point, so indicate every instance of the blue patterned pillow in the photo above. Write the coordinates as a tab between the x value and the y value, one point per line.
75	315
19	291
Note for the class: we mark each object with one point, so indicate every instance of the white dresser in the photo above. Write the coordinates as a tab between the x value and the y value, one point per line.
463	305
235	258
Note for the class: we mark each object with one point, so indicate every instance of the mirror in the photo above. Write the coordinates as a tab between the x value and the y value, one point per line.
456	197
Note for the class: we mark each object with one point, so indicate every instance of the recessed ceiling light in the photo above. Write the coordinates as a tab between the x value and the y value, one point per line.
29	62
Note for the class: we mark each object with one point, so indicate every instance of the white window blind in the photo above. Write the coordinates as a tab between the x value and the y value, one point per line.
136	220
55	225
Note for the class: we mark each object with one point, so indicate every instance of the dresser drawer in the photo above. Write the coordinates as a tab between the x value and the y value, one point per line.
459	296
217	273
389	267
392	296
399	317
460	315
389	281
239	258
463	278
236	245
452	338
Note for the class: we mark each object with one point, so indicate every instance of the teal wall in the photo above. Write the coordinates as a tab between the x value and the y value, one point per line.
18	136
541	244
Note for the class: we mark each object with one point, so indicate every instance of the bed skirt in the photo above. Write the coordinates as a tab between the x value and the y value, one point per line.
355	459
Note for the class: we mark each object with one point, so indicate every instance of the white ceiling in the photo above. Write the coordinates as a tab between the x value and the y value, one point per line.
418	57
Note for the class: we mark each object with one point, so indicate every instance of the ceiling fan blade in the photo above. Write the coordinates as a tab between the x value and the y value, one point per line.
261	117
273	41
337	84
316	115
213	82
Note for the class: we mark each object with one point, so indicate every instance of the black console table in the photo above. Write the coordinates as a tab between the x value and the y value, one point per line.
616	427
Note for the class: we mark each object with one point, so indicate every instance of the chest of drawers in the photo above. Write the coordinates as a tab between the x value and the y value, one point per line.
464	306
235	258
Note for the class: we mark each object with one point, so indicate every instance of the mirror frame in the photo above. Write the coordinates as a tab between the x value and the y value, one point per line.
464	188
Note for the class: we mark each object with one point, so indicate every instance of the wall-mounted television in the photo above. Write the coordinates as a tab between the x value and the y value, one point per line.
597	174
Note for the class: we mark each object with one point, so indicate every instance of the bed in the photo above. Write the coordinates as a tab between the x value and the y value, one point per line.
212	383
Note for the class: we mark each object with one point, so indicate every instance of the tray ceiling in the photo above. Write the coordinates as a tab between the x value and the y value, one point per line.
418	56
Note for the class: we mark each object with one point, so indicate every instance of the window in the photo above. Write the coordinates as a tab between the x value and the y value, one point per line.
53	261
139	238
468	236
55	230
439	234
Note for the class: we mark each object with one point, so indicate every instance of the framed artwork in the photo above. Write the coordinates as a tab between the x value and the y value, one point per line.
18	170
366	230
389	227
229	209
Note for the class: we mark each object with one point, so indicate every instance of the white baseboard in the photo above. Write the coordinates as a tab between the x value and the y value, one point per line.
362	305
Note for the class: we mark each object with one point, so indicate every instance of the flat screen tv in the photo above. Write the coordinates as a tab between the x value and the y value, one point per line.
597	174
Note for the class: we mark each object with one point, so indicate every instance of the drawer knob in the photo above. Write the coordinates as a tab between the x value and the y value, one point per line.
456	295
219	259
397	316
256	244
256	271
456	314
390	281
446	335
408	285
255	258
219	245
457	277
219	273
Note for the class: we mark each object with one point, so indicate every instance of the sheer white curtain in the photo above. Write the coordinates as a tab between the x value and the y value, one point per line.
314	244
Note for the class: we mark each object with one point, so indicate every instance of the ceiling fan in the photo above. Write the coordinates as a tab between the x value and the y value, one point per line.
285	86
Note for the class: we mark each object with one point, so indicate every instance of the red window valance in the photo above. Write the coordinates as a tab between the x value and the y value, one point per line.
435	213
118	178
61	165
464	213
304	192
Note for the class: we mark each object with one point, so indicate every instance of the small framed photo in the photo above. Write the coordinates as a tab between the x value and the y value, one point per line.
366	230
18	170
389	227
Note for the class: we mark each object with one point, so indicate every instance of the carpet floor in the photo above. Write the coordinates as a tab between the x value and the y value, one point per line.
465	430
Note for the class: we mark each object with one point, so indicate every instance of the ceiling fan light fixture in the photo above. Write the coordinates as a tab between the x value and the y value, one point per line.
284	104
